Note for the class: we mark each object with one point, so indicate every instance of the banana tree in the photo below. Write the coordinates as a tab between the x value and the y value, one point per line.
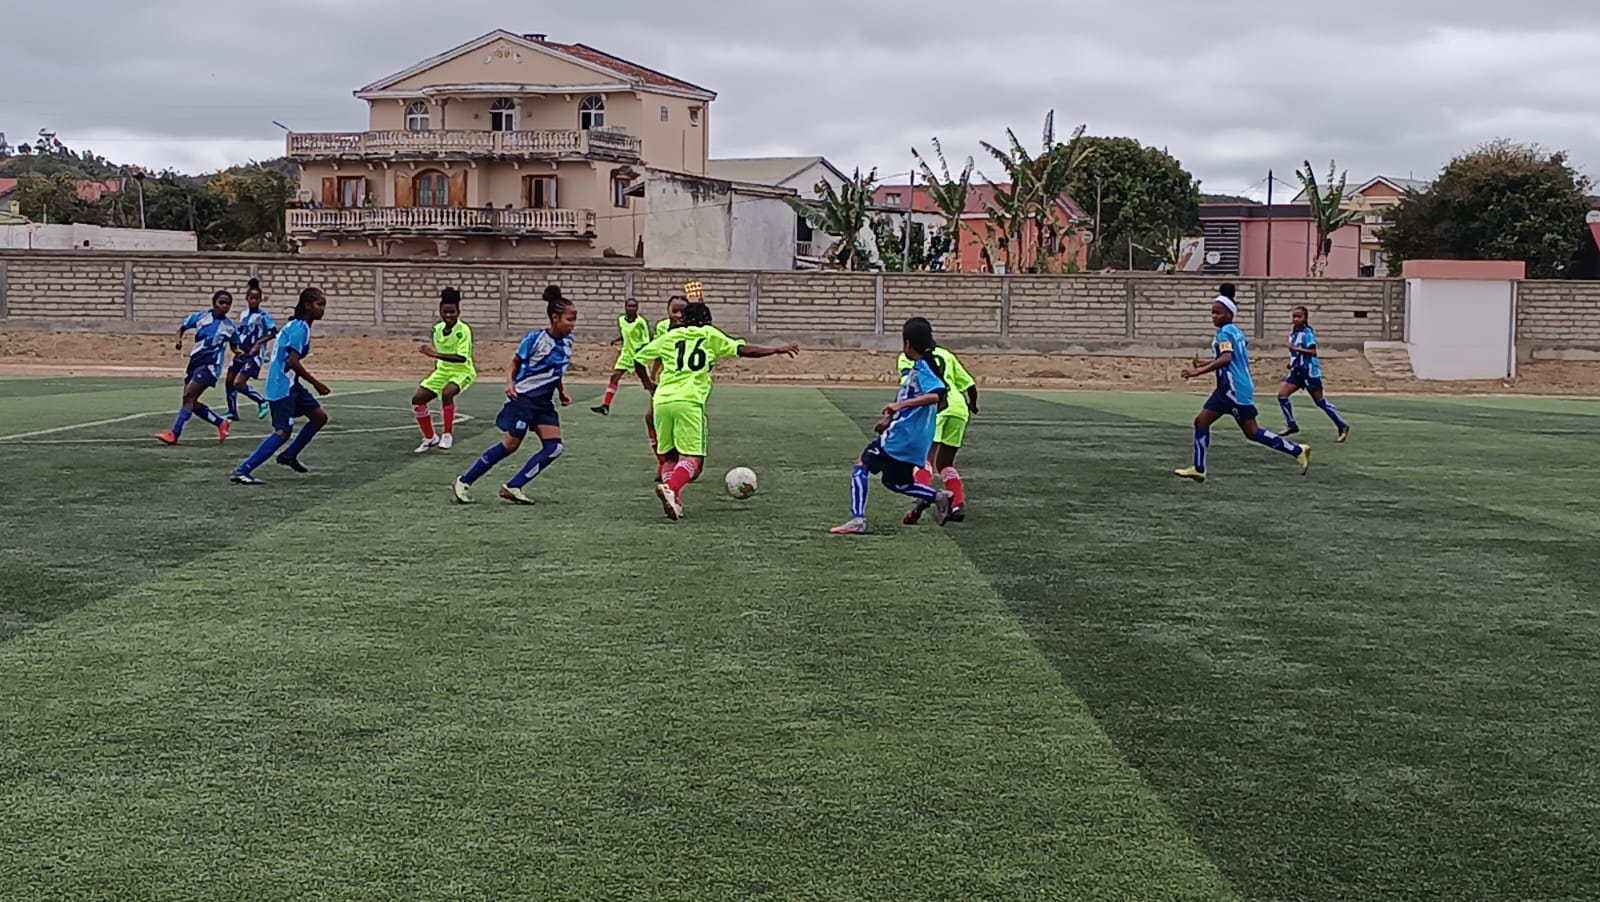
1327	211
949	194
1031	190
841	213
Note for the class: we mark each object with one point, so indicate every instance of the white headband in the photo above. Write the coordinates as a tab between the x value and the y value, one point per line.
1226	302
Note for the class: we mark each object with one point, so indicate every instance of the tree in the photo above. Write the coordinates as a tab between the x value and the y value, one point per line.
52	198
255	199
949	195
1023	209
1498	201
1139	196
1327	212
890	235
841	213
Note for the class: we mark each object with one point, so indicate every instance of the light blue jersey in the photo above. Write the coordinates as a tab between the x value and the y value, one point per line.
1234	379
910	433
212	336
544	360
296	336
1308	364
254	327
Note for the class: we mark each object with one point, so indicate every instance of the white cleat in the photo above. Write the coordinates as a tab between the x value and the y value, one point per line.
428	444
670	505
446	441
459	489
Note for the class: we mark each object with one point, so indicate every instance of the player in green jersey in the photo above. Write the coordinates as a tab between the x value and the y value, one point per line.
950	432
675	305
634	334
678	399
453	372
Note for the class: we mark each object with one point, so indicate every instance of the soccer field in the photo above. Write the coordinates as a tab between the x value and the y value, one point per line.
1377	682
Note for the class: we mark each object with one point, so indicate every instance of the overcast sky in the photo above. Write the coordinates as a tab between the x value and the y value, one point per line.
1231	87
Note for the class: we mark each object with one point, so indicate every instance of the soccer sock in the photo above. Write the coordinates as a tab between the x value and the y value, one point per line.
233	402
253	395
925	494
924	475
681	475
547	454
858	493
424	420
184	414
207	414
1277	442
449	413
1332	412
611	392
485	462
307	433
1202	444
664	466
1288	411
952	484
263	452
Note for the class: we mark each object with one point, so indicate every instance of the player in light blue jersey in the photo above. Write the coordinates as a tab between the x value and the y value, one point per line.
1235	394
532	386
214	333
288	399
905	435
1305	371
256	331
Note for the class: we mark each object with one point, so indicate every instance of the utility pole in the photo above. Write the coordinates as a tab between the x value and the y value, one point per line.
911	202
1099	251
1268	273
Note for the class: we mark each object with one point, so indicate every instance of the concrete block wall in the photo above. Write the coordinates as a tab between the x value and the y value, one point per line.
1563	314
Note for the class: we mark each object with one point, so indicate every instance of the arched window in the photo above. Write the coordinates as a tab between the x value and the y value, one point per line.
503	115
592	112
433	189
417	116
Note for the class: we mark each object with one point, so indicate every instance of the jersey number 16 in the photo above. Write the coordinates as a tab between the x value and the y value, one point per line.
692	359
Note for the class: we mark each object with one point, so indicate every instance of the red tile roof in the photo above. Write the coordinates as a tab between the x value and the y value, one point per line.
979	194
6	185
633	70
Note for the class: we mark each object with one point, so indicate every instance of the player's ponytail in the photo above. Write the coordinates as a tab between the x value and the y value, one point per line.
554	302
697	313
307	298
918	333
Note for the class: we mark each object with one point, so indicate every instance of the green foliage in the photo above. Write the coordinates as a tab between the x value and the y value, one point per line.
843	214
949	194
53	199
1029	193
889	233
1498	201
255	200
1327	210
1145	197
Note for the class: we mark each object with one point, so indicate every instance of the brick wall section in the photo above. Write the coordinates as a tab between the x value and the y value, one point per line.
1085	308
803	304
1178	311
411	299
350	289
597	292
57	289
167	291
969	304
1558	314
1343	311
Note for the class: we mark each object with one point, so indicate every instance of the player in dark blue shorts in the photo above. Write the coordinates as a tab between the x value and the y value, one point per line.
1235	393
532	387
1305	372
286	397
256	331
214	333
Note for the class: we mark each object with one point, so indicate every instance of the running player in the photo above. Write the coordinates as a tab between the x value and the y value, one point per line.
532	385
1235	394
214	333
1305	371
635	334
256	331
453	373
289	399
905	435
951	430
678	399
675	306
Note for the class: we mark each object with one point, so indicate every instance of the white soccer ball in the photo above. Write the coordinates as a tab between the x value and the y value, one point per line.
740	482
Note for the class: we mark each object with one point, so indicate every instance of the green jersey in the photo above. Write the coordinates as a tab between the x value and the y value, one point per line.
955	376
663	326
456	341
687	355
635	335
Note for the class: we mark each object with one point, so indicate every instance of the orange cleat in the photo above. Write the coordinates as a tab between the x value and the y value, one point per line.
166	438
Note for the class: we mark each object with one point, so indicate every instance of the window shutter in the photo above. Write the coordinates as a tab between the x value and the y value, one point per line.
527	192
550	194
366	192
405	190
330	192
458	188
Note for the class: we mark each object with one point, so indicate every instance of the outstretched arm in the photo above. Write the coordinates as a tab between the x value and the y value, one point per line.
788	350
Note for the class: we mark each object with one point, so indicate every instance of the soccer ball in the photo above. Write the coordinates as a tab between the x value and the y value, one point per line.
740	482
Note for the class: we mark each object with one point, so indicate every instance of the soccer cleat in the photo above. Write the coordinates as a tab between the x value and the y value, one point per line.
167	438
1344	433
446	442
1304	459
262	410
294	464
428	444
515	496
958	513
1291	429
222	431
233	416
942	507
855	526
1190	473
244	479
670	505
603	410
459	490
914	516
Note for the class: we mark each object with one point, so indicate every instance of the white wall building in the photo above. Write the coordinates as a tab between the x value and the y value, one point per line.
35	236
710	223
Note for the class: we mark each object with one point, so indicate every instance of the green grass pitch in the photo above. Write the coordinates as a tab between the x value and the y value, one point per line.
1377	682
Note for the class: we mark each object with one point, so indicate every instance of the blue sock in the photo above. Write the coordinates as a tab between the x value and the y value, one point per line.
262	454
926	494
547	454
1202	444
1332	412
858	493
253	395
485	462
1288	411
233	402
300	442
184	414
207	414
1277	442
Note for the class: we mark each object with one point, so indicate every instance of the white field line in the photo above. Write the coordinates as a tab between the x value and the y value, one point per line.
148	413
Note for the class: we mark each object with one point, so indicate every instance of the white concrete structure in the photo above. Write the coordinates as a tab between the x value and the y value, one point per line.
34	236
701	223
1461	318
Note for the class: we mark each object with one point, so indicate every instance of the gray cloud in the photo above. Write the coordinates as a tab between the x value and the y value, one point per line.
1231	89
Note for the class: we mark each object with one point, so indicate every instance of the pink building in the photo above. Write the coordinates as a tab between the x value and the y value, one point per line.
1238	235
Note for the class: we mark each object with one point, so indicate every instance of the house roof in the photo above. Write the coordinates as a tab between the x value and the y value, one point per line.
767	170
7	186
597	61
979	196
1398	184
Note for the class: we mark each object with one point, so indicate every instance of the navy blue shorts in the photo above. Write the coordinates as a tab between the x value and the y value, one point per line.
518	416
299	403
249	366
1219	402
893	470
1299	379
201	372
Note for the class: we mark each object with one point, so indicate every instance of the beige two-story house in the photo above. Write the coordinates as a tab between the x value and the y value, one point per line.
509	146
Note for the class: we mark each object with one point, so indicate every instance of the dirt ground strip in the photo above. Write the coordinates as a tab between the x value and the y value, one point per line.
386	358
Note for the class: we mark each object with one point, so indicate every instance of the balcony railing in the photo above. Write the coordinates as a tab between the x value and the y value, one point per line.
442	220
543	143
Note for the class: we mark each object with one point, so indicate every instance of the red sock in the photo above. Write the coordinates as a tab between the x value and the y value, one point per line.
424	419
611	392
681	475
952	484
449	411
664	466
923	476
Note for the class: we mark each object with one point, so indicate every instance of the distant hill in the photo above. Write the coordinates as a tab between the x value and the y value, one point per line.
88	166
1228	199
